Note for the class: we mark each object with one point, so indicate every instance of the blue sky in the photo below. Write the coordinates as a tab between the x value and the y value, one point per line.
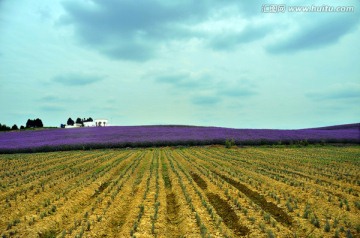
210	63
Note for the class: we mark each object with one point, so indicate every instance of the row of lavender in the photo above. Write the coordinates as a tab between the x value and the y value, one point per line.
141	136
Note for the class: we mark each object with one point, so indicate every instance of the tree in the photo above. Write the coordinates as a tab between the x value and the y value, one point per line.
3	127
79	121
85	120
14	127
29	123
34	123
22	127
70	122
38	123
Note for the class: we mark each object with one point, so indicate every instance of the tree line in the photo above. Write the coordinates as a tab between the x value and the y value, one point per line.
35	123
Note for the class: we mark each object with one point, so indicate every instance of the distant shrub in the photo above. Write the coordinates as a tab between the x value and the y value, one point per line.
357	204
327	226
53	208
315	221
348	234
48	234
252	219
270	234
203	230
306	211
336	222
267	217
303	142
262	227
229	143
289	207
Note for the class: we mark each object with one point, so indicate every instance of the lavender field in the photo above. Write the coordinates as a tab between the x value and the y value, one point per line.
143	136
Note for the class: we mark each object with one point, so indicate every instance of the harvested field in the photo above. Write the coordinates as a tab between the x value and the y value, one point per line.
269	207
182	192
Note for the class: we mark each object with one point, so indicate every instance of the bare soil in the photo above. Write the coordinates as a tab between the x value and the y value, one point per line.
257	198
101	188
172	207
199	181
228	215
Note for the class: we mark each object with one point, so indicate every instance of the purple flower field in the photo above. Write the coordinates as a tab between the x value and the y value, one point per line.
141	136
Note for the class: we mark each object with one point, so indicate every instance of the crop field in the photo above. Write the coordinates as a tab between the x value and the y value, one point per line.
154	136
182	192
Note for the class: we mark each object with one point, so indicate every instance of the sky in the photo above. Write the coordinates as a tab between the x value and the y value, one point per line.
228	63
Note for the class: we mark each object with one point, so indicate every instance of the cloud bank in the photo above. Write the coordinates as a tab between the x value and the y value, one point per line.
74	79
136	31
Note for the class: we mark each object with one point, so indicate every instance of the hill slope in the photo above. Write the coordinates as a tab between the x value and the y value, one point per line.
140	136
338	127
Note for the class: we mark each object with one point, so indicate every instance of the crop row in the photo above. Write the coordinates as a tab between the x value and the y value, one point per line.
196	191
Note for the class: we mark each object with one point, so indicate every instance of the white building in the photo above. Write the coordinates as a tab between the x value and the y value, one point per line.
97	122
89	124
76	125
